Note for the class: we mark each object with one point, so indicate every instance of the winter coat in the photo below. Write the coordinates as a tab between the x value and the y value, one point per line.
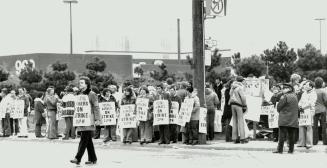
227	109
196	107
95	111
308	102
51	103
237	96
288	110
212	100
321	102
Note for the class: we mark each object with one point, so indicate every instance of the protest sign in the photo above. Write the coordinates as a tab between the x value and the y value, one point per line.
142	106
160	112
203	121
17	109
273	118
254	108
189	104
305	118
107	113
173	113
218	125
265	110
68	105
59	111
127	116
183	114
82	115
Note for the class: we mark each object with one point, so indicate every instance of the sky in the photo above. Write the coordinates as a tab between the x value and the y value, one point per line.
250	27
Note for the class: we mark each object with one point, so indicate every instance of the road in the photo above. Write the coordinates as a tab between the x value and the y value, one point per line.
21	154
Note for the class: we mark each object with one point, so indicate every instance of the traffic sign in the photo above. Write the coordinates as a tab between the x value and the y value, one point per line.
216	7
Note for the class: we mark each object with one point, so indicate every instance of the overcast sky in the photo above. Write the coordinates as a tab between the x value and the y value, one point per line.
29	26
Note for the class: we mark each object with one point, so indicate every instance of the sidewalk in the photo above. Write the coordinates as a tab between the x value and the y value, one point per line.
211	145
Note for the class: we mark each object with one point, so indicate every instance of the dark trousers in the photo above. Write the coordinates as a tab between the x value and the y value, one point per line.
86	143
111	132
12	123
288	132
38	125
6	127
228	130
211	123
173	129
321	117
70	130
164	134
192	131
275	133
97	131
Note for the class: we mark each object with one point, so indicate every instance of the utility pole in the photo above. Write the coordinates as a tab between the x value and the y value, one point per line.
71	23
198	54
320	20
178	41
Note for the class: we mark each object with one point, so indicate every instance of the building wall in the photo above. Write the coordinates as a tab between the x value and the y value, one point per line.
117	64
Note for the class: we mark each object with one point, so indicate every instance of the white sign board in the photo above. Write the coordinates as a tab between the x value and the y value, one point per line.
82	115
203	121
160	112
127	116
142	107
273	118
107	113
305	118
68	105
173	113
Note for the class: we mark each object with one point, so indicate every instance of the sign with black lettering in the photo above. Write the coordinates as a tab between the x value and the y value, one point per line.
173	113
161	112
203	120
82	115
108	113
68	106
142	106
127	116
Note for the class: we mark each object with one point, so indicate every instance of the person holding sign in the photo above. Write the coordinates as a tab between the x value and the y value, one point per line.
288	123
51	104
212	103
68	105
192	127
23	121
39	113
307	104
173	117
163	129
128	99
87	131
144	102
110	129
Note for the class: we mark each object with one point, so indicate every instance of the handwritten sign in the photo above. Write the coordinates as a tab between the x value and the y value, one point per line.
82	115
68	106
189	104
203	121
160	112
108	113
17	109
127	116
173	113
265	110
142	106
305	118
273	118
218	125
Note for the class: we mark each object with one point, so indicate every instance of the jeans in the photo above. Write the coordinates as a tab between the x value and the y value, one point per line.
70	130
14	123
238	123
86	143
146	130
164	134
305	136
111	131
128	134
321	117
192	131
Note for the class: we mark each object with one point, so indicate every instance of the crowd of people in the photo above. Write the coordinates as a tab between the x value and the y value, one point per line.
291	100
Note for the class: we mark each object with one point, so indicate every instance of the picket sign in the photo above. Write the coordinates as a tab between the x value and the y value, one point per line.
59	111
273	118
68	106
82	115
174	113
217	123
265	110
182	118
127	116
160	112
305	118
203	121
17	109
107	113
142	107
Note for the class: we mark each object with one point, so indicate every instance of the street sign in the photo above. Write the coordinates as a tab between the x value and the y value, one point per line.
216	7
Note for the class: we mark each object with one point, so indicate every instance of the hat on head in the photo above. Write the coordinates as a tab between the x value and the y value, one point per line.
288	85
239	79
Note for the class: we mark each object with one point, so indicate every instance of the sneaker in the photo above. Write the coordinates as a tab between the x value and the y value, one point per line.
75	161
91	163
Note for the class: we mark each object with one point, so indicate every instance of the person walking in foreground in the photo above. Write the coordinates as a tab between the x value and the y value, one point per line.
288	118
87	131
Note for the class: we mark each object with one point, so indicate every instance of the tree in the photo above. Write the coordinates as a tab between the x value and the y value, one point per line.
162	74
30	78
281	61
3	75
138	70
59	77
309	59
252	65
236	57
95	69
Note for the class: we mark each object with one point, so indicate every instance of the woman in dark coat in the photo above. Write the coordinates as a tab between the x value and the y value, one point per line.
227	115
128	98
87	131
288	118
